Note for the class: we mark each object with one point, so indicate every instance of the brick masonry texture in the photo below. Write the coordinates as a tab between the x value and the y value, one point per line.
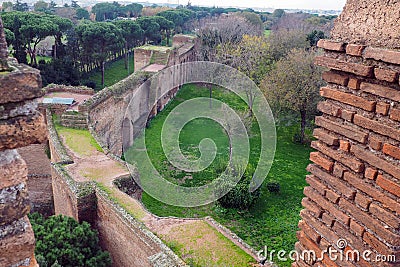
354	190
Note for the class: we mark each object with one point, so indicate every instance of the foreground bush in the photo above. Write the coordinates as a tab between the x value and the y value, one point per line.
62	241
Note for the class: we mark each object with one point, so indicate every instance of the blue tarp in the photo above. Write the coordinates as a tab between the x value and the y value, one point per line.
58	100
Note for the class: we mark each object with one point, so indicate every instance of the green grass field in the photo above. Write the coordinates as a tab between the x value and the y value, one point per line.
114	72
272	221
267	32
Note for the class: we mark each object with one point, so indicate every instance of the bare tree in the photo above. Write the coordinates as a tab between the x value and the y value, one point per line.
222	30
294	84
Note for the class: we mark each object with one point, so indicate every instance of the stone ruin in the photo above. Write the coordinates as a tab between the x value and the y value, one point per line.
354	190
20	126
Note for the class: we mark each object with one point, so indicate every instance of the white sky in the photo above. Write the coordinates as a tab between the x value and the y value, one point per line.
289	4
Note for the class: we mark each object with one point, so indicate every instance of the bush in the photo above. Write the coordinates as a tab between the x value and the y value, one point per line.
91	84
274	187
62	241
239	197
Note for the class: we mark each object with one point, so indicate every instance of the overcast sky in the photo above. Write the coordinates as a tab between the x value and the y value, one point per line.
292	4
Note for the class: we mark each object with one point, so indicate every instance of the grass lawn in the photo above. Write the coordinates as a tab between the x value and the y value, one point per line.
80	141
267	32
114	72
272	221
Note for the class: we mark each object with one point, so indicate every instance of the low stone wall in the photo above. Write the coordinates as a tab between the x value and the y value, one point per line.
129	242
58	88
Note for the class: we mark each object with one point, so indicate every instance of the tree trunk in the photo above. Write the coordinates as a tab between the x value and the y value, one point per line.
303	125
102	73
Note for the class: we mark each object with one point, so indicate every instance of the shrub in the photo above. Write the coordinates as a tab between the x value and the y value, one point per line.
274	187
239	197
91	84
62	241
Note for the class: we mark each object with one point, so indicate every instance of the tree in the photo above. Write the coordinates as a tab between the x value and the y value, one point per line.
105	11
133	35
250	56
29	29
278	13
166	26
82	13
221	31
151	29
63	25
7	6
41	6
99	40
282	41
74	4
62	241
19	6
294	84
133	10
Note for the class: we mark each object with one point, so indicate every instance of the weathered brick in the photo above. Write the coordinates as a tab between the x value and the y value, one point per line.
325	231
345	145
338	170
376	244
395	114
374	143
377	127
332	196
315	183
311	233
331	45
354	84
347	115
387	217
358	229
311	206
370	173
388	185
328	219
371	223
389	56
355	68
355	50
345	130
382	108
329	109
320	160
362	201
310	245
325	137
344	158
334	182
347	98
385	75
331	208
391	150
332	77
372	191
380	90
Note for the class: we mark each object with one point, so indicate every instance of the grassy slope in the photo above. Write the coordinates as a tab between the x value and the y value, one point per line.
272	221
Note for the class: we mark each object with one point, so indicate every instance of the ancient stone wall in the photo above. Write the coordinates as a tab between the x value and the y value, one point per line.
128	240
354	192
20	125
39	178
142	58
107	111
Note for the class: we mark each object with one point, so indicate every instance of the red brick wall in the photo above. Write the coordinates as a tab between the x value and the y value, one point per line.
354	185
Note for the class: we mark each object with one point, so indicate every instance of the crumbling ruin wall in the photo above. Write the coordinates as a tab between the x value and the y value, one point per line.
20	125
353	201
39	178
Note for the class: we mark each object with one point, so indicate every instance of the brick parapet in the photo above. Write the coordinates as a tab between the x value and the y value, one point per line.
354	191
